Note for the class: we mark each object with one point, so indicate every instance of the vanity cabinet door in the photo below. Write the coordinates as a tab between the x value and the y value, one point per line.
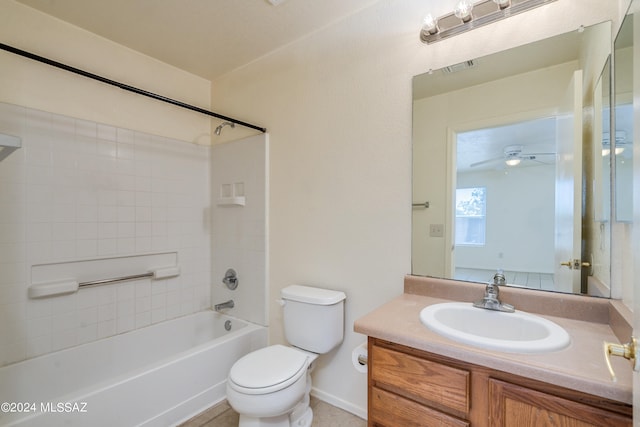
513	405
437	385
390	410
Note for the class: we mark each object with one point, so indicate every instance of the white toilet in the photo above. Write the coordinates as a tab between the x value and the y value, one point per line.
270	386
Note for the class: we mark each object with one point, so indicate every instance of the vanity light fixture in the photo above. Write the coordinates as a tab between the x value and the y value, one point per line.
468	15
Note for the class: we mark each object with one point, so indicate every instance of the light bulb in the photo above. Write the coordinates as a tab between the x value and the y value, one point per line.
605	152
512	162
429	24
502	4
463	10
619	150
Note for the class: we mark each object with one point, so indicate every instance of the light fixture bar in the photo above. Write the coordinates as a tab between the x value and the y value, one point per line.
483	12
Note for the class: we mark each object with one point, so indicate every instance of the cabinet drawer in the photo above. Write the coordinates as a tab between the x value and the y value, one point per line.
388	409
420	379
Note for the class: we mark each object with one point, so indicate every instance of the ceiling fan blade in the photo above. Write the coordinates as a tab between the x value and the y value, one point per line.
484	162
537	154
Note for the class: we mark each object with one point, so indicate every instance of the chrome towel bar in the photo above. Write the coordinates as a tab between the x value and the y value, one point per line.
420	205
66	286
115	280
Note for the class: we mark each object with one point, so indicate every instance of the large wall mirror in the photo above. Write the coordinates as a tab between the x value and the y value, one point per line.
508	170
623	120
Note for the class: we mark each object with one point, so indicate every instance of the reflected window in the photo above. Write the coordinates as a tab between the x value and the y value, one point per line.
471	208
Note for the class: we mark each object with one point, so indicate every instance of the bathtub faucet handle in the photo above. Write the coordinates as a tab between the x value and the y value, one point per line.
230	279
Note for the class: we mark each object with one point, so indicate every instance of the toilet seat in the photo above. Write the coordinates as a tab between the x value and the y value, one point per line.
268	370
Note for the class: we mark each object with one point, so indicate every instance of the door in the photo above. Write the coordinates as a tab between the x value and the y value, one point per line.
568	199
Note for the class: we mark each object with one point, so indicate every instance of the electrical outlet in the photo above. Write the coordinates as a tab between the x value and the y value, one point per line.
436	230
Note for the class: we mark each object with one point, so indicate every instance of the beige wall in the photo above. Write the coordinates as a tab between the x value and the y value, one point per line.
35	85
338	108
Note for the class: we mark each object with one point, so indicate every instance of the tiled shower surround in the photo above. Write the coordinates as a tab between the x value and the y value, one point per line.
79	190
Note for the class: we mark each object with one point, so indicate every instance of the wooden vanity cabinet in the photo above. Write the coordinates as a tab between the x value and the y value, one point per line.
409	387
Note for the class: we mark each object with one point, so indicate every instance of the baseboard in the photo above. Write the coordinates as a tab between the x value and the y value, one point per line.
339	403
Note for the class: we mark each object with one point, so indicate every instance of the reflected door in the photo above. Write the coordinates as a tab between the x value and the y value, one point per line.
568	231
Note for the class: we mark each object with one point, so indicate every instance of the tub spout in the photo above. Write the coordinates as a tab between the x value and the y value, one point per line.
226	304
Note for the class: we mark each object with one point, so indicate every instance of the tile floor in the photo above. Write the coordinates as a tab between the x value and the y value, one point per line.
324	415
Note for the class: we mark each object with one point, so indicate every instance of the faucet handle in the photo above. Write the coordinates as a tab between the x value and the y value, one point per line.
230	279
499	279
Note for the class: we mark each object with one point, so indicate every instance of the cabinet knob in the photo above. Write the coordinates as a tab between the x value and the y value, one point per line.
628	351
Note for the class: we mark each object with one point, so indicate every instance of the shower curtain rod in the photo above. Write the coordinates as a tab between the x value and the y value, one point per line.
125	86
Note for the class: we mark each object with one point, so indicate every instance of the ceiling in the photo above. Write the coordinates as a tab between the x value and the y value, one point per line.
205	37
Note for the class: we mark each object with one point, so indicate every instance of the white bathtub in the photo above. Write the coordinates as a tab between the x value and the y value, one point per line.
155	376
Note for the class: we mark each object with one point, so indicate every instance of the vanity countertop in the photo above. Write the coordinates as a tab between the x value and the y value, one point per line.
581	366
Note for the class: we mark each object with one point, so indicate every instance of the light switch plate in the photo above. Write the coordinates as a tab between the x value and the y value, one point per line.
436	230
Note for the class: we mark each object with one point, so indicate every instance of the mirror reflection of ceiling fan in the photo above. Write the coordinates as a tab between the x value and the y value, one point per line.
513	155
621	144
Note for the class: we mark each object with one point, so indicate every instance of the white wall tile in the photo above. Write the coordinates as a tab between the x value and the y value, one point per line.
106	312
144	319
64	339
158	315
64	322
38	346
238	232
87	333
79	190
107	328
87	316
87	248
125	323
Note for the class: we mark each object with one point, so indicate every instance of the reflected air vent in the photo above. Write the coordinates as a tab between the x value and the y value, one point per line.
459	67
8	144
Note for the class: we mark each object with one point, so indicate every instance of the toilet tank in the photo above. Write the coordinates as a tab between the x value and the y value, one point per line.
313	317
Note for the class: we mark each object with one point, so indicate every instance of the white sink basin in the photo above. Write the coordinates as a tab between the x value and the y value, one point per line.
517	332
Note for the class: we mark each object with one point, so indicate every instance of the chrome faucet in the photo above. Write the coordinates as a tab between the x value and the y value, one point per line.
491	300
226	304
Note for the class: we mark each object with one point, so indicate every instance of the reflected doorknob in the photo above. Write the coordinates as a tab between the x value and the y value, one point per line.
576	264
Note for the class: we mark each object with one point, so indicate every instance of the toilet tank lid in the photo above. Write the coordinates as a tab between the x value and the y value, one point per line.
311	295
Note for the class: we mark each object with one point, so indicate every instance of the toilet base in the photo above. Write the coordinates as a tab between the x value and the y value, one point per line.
304	420
280	421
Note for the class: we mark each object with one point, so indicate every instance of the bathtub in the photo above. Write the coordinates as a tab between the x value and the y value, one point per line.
159	375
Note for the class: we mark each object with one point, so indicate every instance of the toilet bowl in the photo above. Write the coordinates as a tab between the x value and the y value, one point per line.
270	386
267	385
